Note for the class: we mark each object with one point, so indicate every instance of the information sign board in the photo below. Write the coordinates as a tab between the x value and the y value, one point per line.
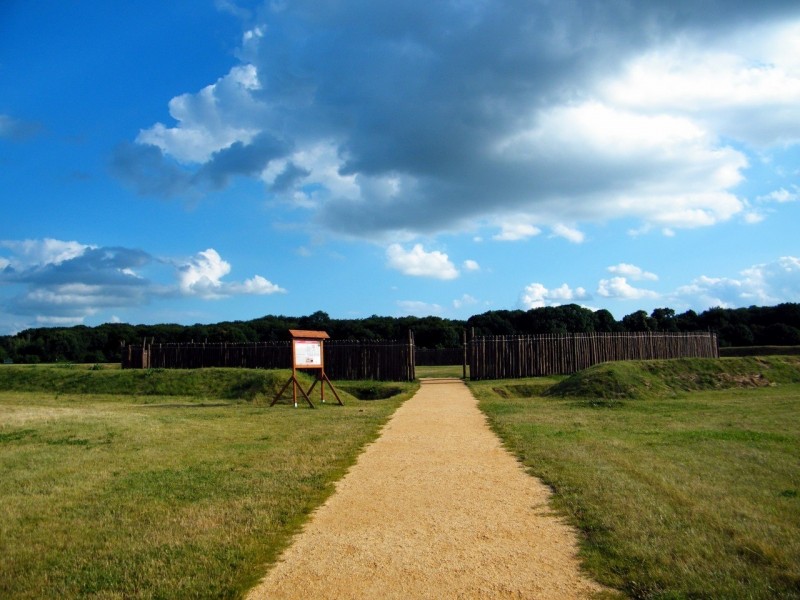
307	354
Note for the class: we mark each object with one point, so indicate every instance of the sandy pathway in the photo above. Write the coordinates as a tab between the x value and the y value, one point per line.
435	508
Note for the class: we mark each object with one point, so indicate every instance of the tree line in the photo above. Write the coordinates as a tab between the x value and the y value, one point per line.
774	325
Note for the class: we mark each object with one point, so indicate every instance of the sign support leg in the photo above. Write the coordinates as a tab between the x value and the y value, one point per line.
295	386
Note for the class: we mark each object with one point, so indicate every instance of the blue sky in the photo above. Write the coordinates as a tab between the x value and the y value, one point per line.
199	161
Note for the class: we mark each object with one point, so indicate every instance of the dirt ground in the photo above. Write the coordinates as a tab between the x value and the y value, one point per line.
435	508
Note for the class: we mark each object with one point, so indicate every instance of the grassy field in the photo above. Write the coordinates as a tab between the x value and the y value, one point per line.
684	477
441	371
149	494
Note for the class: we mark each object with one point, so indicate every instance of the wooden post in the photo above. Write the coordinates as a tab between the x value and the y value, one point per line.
412	353
464	342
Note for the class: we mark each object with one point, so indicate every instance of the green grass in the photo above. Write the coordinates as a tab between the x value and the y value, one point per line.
441	371
659	378
232	384
146	496
678	493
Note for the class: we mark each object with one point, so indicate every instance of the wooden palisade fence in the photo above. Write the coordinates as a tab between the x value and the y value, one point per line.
265	355
489	357
513	356
379	360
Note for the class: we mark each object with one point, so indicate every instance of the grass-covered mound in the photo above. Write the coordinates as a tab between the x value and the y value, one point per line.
230	384
660	378
758	350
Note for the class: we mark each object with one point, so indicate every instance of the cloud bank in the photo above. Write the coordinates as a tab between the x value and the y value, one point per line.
763	284
58	282
382	118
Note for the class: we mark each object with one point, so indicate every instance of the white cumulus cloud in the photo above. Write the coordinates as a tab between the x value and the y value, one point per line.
568	233
471	265
418	262
781	195
632	272
511	231
762	284
745	84
618	287
536	295
202	276
464	301
220	115
48	251
418	308
256	285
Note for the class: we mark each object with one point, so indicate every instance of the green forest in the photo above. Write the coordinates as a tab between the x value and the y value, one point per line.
762	326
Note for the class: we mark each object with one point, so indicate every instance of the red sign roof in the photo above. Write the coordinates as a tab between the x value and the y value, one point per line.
309	335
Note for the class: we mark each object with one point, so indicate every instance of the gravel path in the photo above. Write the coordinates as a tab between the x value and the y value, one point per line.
435	508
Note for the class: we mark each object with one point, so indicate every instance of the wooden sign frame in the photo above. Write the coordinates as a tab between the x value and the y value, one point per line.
308	353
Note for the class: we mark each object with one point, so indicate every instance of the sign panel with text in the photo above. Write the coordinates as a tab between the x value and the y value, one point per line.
307	354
